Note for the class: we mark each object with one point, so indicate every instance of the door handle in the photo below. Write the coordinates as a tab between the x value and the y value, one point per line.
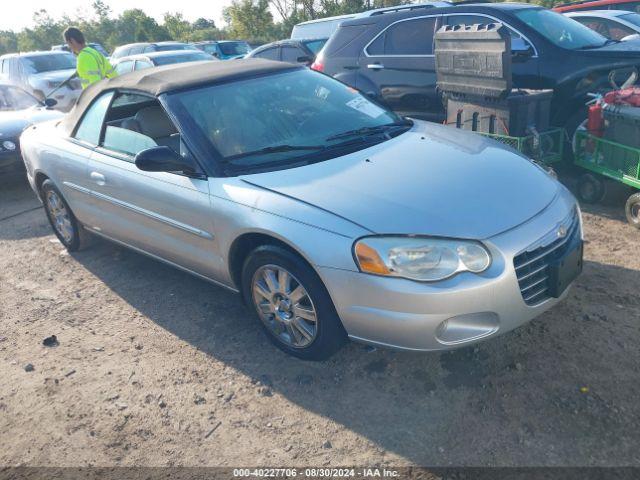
375	66
98	178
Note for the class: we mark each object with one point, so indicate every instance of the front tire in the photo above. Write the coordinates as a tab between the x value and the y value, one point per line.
632	210
62	220
591	188
291	303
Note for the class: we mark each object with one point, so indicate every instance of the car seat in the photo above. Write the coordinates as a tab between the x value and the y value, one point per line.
154	123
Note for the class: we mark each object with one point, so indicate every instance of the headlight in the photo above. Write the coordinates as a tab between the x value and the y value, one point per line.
9	145
420	258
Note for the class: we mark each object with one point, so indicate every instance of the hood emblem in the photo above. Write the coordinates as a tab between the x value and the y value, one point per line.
562	231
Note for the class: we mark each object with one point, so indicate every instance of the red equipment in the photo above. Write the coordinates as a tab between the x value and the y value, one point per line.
626	96
595	119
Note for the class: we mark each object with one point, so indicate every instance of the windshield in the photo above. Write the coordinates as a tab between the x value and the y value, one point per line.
295	114
189	57
315	45
50	62
234	48
13	98
174	46
560	30
632	18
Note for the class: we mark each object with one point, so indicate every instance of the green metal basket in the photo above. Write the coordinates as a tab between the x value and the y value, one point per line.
544	147
610	159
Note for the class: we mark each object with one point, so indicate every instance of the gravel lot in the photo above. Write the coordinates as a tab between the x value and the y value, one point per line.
155	367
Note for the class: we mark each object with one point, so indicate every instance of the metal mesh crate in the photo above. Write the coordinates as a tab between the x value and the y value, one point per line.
608	158
545	147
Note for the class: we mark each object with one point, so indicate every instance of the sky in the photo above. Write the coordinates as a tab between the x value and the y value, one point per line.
20	14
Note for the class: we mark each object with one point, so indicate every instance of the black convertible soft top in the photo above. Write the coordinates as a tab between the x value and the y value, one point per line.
169	78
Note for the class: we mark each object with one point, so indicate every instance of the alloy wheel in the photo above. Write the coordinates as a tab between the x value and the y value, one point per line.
284	306
60	216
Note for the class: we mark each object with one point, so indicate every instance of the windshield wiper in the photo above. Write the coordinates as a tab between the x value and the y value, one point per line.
606	42
370	130
274	149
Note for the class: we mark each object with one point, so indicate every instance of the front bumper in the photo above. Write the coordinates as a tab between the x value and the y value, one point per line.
410	315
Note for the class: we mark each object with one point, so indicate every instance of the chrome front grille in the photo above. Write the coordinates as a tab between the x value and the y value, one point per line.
532	265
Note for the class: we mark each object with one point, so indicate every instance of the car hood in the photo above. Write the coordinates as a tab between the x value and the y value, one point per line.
14	122
627	50
432	180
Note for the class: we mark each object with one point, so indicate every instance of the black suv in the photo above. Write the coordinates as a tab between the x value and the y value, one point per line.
390	56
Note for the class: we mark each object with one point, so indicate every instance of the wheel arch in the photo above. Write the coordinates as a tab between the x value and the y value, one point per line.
247	242
39	179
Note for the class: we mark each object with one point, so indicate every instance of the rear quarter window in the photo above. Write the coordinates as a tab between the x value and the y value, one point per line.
407	37
269	54
345	36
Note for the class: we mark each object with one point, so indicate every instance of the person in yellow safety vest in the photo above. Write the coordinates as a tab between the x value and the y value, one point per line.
91	66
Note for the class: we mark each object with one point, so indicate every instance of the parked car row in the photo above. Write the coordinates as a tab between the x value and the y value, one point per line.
64	48
155	59
224	49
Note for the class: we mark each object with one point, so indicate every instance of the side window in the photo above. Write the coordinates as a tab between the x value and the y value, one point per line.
467	19
291	54
617	31
595	24
142	64
135	123
124	67
409	37
269	54
476	19
91	123
211	49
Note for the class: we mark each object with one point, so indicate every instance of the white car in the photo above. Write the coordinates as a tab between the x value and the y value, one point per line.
613	24
40	73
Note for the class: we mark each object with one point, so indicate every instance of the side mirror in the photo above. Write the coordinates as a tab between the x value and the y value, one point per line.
520	48
304	59
163	159
216	54
50	102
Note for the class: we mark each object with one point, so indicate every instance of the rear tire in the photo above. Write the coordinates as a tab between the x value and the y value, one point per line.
632	210
61	218
286	294
591	188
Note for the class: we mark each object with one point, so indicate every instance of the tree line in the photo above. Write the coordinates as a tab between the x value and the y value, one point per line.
251	20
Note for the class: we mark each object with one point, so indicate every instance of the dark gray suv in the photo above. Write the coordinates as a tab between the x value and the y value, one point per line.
391	58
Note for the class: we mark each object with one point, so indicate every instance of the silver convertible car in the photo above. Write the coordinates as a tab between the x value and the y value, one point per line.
332	216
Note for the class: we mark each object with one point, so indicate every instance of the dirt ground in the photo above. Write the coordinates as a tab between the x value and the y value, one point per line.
155	367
